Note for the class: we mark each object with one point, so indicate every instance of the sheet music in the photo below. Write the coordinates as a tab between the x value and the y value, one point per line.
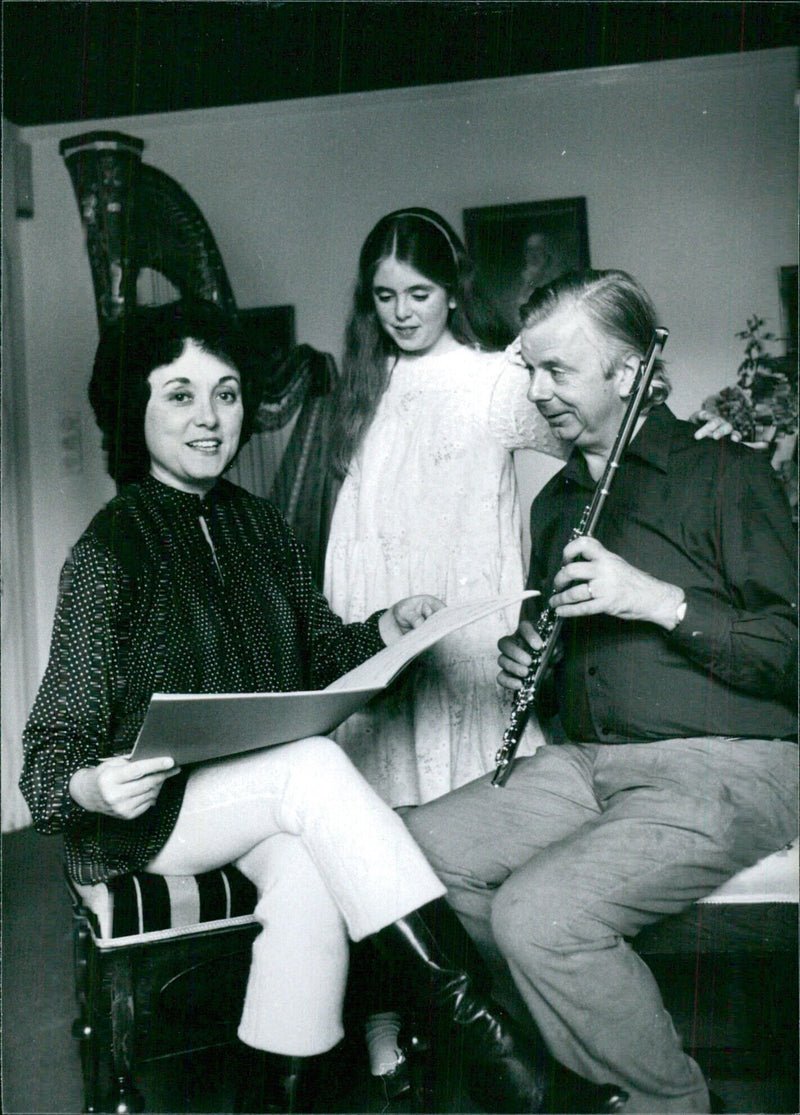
382	668
197	727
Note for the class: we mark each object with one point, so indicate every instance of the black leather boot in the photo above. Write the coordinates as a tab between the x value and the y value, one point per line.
509	1069
282	1085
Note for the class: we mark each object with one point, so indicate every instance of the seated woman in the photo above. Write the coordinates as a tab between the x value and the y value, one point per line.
186	583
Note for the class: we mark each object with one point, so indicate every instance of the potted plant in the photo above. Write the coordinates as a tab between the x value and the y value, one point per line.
762	404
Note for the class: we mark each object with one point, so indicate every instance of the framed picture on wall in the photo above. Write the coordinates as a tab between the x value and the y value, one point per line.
518	247
269	331
269	336
788	289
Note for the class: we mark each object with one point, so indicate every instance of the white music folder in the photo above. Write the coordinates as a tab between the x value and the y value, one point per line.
196	727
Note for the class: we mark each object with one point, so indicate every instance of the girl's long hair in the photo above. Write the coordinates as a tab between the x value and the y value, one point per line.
425	241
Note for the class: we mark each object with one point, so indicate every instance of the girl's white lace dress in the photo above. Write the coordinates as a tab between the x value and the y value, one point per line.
430	505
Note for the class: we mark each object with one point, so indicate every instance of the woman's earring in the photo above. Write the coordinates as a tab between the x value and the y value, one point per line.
452	303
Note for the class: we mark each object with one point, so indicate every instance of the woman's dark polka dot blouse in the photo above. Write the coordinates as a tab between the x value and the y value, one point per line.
167	593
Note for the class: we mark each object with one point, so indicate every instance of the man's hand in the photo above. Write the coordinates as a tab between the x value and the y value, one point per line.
405	615
121	788
515	658
592	580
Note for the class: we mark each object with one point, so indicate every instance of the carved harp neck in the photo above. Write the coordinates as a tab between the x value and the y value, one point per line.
138	219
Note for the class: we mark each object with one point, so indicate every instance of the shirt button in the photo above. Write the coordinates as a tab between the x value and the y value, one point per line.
592	671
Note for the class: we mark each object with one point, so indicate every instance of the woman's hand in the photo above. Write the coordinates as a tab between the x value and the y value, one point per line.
712	425
405	615
515	657
119	787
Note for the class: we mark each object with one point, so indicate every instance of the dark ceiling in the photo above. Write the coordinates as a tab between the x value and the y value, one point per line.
67	62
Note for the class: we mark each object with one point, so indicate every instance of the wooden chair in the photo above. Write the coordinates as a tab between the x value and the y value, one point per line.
160	970
161	963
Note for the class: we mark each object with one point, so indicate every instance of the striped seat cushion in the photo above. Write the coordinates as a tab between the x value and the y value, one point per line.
145	907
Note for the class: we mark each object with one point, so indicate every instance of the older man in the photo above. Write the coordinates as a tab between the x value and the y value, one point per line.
675	689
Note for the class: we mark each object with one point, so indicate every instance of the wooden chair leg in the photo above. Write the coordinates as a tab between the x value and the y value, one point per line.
84	1028
83	1032
125	1097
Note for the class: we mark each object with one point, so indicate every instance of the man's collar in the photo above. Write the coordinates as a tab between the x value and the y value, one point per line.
652	444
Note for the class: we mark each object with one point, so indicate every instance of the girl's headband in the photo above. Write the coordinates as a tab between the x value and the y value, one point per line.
431	221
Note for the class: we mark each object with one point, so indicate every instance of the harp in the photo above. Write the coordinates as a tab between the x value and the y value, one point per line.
149	243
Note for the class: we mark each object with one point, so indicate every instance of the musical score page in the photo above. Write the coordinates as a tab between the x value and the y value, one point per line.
198	727
382	668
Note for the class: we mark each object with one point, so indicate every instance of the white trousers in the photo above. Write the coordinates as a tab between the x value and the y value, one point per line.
329	860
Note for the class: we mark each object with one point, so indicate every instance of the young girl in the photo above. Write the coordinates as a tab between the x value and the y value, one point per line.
426	423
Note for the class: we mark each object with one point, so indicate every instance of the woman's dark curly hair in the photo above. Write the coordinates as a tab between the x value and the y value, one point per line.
138	342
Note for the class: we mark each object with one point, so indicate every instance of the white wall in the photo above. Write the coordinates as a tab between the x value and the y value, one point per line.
688	167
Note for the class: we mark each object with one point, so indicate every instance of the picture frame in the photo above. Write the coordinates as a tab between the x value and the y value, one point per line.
517	247
269	337
269	331
788	294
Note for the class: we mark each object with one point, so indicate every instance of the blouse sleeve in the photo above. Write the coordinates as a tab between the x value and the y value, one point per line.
513	419
70	724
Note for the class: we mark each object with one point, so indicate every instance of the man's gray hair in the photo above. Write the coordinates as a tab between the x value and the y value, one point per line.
617	305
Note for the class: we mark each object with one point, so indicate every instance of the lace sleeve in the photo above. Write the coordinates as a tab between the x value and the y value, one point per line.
513	420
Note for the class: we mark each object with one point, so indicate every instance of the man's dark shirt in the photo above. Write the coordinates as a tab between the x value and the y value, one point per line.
712	518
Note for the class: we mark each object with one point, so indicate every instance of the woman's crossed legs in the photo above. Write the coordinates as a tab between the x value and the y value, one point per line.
329	860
